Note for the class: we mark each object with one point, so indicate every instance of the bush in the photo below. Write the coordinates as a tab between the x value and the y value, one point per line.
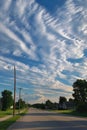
82	108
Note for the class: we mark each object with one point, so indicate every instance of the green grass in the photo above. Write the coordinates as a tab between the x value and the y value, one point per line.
5	124
5	113
72	112
8	112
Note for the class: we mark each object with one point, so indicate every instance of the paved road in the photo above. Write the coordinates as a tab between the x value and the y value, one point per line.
43	120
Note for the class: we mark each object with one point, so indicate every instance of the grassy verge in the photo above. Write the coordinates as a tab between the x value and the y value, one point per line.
5	124
5	113
72	112
9	112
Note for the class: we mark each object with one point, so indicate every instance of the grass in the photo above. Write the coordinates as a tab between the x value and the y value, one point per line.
72	112
8	112
5	124
5	113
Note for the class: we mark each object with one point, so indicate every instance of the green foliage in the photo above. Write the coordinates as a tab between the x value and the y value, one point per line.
5	124
7	99
82	108
20	104
71	100
62	103
72	112
49	104
39	105
5	113
62	100
80	91
0	104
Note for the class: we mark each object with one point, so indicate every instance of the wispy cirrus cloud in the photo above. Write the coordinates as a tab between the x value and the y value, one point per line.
49	50
17	40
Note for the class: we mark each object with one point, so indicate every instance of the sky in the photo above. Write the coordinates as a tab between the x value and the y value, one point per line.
46	40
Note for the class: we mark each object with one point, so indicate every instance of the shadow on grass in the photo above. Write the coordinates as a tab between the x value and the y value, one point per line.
5	124
74	113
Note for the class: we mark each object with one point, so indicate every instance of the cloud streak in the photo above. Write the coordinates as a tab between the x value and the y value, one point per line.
49	51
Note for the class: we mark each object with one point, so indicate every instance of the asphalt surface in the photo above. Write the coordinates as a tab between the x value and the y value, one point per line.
44	120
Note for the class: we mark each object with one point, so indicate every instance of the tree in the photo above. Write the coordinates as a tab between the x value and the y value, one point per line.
0	104
71	100
62	100
7	99
62	103
49	104
80	91
39	105
20	104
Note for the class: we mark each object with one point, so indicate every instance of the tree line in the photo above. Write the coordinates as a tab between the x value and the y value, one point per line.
80	95
78	102
6	101
61	105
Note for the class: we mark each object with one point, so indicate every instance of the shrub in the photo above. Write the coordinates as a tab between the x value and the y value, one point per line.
82	108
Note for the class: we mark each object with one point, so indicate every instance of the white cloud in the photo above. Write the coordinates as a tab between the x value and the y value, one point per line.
17	52
21	6
7	63
17	40
51	40
6	84
5	5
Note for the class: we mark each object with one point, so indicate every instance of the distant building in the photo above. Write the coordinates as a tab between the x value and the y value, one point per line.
62	106
66	105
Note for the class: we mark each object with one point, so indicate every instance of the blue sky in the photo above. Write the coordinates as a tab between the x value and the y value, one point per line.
47	42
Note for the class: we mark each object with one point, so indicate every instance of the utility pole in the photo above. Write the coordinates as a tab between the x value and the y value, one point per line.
14	90
19	98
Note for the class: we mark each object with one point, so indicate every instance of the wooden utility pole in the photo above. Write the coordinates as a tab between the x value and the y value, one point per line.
14	90
19	98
